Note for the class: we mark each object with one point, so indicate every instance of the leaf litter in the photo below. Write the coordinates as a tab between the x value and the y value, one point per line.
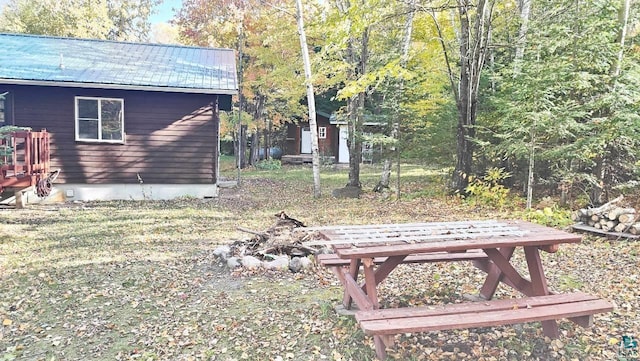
139	281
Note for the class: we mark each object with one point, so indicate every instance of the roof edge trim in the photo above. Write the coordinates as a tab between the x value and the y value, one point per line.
119	87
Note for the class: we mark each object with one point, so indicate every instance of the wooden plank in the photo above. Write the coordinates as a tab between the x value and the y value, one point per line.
370	284
385	269
409	236
486	318
474	307
355	291
354	268
539	286
532	239
610	235
479	223
418	233
414	232
332	259
495	275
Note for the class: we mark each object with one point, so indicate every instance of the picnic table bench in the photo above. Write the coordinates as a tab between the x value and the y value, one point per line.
376	250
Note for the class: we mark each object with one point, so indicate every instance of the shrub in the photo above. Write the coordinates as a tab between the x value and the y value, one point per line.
488	190
270	164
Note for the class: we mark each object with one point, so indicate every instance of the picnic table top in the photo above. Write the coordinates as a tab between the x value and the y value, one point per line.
378	240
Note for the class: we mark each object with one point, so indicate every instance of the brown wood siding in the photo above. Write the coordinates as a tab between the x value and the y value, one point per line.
325	146
170	138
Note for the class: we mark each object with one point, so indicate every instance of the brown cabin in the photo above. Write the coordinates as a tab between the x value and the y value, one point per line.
297	148
332	141
126	120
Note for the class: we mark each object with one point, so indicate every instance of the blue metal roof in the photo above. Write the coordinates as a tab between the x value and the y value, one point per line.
44	60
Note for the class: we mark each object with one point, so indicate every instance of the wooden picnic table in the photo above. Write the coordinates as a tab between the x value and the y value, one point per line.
379	249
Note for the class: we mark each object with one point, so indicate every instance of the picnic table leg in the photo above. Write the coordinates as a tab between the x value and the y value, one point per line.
389	265
382	342
539	285
370	282
494	275
354	269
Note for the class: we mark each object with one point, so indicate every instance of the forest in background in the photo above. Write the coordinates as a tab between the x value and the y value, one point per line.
540	96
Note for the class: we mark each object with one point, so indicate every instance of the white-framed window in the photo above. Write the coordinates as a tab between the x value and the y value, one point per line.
322	132
100	119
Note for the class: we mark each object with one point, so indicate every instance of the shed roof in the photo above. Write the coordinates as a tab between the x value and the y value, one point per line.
55	61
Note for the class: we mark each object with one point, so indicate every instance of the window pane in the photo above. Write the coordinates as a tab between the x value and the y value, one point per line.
88	108
88	129
1	110
111	119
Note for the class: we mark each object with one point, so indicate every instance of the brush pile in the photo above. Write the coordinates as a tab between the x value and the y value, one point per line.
279	247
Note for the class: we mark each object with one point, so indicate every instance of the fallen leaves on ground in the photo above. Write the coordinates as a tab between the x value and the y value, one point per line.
138	281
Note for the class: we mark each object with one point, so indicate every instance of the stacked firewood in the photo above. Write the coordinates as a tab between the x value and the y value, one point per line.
610	217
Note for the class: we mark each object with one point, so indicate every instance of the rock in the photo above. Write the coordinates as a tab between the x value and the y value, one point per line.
324	250
250	262
298	264
233	262
347	192
295	265
306	262
223	252
280	262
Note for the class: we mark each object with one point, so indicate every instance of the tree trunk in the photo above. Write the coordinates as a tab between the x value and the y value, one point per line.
624	23
311	102
395	128
356	111
385	176
354	143
474	40
255	146
525	10
243	146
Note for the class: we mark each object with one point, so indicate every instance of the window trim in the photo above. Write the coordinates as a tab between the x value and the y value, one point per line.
322	132
3	110
98	140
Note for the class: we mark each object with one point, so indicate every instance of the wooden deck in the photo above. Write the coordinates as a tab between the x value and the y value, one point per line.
24	159
303	159
297	159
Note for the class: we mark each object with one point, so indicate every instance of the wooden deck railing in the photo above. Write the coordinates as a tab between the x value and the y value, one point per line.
24	158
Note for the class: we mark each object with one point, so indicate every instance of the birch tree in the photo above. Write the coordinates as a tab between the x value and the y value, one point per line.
310	99
395	127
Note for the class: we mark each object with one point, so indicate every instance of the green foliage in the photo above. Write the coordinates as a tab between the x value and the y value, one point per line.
566	105
269	164
488	190
553	216
125	20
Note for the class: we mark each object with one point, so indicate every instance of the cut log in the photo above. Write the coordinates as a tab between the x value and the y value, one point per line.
635	229
619	211
627	218
605	207
608	225
622	227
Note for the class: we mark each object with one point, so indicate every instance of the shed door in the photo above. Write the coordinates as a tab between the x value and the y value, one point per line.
343	149
305	141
